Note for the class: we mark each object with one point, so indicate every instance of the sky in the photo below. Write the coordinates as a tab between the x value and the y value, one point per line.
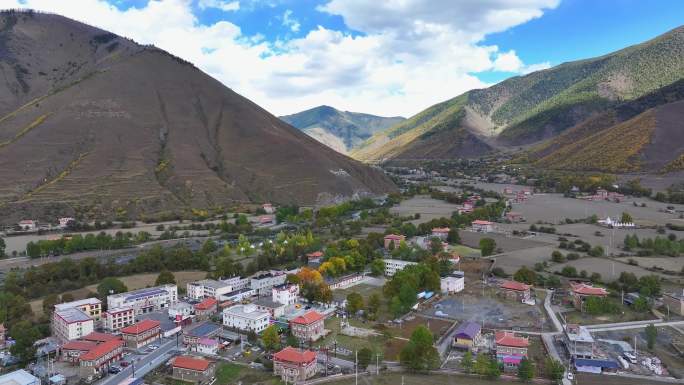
385	57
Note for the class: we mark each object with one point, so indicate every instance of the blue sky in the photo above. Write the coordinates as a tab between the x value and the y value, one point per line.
383	57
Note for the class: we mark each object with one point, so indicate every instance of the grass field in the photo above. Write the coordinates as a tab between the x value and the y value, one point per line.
416	379
466	251
227	373
133	282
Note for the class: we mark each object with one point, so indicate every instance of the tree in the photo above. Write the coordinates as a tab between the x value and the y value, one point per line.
525	275
482	364
493	370
25	334
626	218
377	267
640	305
364	358
49	303
596	251
374	303
110	285
649	285
467	362
525	370
419	355
557	257
554	369
453	237
3	247
165	277
292	341
67	297
270	338
487	246
651	336
354	303
208	247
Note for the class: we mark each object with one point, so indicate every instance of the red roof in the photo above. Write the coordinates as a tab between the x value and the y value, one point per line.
308	318
206	304
480	222
585	289
101	350
140	327
79	345
185	362
440	230
394	237
515	285
510	339
100	337
315	254
290	354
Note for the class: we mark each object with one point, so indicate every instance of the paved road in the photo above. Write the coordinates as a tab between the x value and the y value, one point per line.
640	325
145	365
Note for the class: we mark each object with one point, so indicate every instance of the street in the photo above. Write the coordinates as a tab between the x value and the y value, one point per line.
144	365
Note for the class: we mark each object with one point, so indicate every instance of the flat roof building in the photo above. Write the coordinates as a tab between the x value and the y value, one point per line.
145	300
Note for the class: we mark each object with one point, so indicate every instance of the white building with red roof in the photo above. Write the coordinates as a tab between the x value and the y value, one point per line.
141	333
393	239
510	349
294	365
481	226
192	369
100	357
581	291
515	290
308	327
440	232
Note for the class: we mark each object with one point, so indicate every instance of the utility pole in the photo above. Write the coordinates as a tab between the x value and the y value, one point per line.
377	364
356	367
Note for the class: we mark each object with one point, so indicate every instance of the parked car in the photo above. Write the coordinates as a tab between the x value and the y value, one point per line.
124	363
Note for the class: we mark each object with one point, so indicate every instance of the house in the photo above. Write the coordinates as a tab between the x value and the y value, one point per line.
614	224
181	310
100	337
581	291
294	365
192	369
482	226
117	318
344	281
207	308
276	309
514	216
205	288
263	283
71	324
72	350
266	220
452	283
246	318
394	265
468	335
314	259
308	327
286	294
516	291
28	225
100	357
91	306
441	233
145	300
207	346
141	333
510	349
64	222
674	302
268	208
193	335
579	342
19	377
393	239
238	295
596	366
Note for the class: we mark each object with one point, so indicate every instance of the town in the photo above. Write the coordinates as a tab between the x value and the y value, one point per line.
454	277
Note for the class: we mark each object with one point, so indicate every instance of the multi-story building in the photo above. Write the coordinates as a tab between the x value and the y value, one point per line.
392	241
193	335
308	327
344	281
246	318
207	346
238	295
441	233
510	349
579	342
286	294
117	318
192	369
19	377
141	333
180	310
452	283
582	291
276	309
100	357
394	265
73	350
264	282
71	324
515	290
294	365
468	335
482	226
208	288
145	300
237	282
205	309
91	306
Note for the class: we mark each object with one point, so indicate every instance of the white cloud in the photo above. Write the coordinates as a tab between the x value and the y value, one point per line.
290	21
411	54
219	4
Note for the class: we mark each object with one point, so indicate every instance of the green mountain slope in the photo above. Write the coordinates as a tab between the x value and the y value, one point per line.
538	106
339	130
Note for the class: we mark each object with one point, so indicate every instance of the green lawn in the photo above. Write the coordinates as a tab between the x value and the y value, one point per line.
225	373
466	251
228	374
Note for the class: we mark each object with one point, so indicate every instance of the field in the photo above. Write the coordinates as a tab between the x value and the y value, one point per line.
514	260
227	373
465	251
506	244
665	263
415	379
609	269
133	282
427	207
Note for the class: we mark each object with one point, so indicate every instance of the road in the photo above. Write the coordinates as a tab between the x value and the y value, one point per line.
633	325
145	365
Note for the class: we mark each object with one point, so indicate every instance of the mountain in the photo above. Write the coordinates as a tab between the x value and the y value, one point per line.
93	124
529	109
339	130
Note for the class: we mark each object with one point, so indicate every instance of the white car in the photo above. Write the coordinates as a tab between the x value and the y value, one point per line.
571	376
154	347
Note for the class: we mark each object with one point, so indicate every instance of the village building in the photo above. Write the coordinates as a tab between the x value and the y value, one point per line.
468	335
674	302
276	309
71	324
100	357
192	369
117	318
19	377
581	292
510	349
28	225
344	281
286	294
579	342
268	208
64	222
141	333
246	318
308	327
145	300
72	350
294	365
207	346
394	265
263	283
207	308
441	233
516	291
452	283
393	239
481	226
596	366
181	310
207	288
239	295
193	335
90	306
514	216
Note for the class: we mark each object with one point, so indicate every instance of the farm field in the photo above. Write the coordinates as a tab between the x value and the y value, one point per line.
415	379
427	207
465	251
667	263
514	260
503	242
133	282
609	269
